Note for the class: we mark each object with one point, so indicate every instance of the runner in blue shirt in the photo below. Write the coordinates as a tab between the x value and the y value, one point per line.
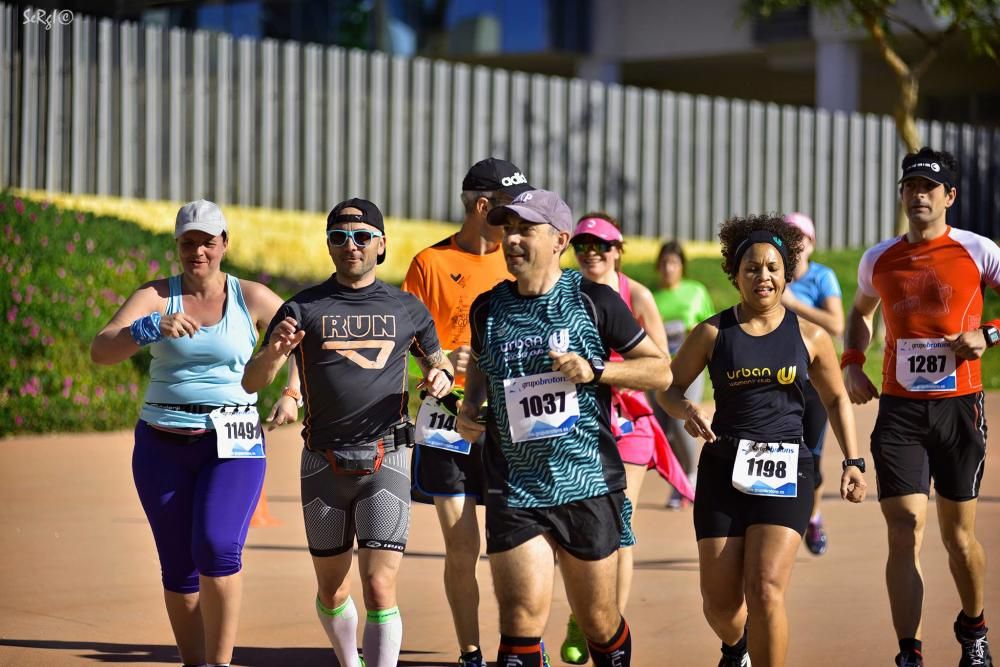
814	295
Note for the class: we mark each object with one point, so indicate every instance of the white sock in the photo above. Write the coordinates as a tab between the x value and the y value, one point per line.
383	637
341	625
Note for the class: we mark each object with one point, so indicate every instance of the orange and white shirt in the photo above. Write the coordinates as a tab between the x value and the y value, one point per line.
929	290
447	280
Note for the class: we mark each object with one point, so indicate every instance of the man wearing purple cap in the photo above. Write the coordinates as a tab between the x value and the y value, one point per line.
350	336
555	481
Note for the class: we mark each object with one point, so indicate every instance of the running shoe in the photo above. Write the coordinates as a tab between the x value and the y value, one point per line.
816	537
677	502
909	659
473	662
734	661
574	647
975	647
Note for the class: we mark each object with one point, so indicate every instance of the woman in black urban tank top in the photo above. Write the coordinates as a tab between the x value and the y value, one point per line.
755	476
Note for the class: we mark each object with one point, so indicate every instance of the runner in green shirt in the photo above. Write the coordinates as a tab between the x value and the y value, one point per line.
682	303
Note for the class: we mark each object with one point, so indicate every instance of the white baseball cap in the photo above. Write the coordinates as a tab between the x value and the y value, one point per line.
200	216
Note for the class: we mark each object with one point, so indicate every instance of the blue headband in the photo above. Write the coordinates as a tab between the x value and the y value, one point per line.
760	236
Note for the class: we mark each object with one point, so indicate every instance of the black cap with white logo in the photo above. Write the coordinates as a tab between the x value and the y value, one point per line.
495	175
370	215
917	165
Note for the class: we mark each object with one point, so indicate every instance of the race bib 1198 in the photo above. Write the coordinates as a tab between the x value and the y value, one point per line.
767	468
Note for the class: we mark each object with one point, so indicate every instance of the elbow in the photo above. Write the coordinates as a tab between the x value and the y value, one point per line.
666	377
249	386
837	329
98	356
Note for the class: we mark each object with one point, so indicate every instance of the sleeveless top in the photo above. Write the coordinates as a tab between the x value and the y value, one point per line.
204	369
759	380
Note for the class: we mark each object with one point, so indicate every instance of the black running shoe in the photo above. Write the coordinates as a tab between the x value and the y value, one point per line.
909	659
734	661
975	648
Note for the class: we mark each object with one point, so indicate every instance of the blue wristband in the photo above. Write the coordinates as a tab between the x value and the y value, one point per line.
146	330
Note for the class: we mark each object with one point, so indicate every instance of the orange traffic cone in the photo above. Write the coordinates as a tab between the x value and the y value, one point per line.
261	516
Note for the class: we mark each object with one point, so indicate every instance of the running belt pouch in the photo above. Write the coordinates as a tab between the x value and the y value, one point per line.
356	461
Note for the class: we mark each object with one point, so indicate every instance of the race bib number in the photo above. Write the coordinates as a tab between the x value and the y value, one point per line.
540	406
238	433
767	468
436	428
925	364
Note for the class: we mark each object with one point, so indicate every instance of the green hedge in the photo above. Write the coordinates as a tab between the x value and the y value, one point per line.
62	276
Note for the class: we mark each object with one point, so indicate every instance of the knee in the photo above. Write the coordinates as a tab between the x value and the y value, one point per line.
599	625
722	608
217	557
905	531
765	591
959	542
380	590
462	551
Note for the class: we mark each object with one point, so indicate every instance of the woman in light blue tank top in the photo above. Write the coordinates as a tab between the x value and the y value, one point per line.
201	327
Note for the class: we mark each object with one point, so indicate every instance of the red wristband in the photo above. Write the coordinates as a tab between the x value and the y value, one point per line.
992	323
852	357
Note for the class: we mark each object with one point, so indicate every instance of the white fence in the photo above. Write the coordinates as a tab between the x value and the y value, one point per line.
123	109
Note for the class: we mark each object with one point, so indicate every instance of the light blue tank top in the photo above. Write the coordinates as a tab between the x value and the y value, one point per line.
204	369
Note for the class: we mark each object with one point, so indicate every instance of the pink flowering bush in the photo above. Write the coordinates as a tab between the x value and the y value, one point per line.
63	274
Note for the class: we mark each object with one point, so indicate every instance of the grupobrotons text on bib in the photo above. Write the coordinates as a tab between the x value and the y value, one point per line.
925	364
238	433
540	406
435	427
767	468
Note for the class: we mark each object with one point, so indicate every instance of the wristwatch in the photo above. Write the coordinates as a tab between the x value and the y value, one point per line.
596	365
857	463
294	394
992	335
448	374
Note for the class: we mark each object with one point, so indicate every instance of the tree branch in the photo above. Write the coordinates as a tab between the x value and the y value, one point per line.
896	18
892	59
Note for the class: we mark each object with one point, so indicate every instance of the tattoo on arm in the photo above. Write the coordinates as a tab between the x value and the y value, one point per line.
432	360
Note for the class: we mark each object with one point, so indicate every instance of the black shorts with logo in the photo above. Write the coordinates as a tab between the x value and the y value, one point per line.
720	510
915	440
438	472
589	529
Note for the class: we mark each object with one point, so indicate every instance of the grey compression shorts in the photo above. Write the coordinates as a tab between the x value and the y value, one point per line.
374	507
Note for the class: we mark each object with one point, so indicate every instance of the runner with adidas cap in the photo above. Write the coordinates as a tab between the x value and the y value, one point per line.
931	421
350	336
448	471
555	481
755	476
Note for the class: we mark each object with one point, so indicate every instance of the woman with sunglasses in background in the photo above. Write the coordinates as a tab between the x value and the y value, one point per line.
198	461
598	244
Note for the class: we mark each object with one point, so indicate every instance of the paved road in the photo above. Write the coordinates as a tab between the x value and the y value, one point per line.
79	581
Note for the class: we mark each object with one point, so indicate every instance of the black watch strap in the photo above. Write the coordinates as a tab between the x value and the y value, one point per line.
857	463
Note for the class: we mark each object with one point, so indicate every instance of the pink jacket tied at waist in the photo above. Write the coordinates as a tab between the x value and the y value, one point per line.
633	405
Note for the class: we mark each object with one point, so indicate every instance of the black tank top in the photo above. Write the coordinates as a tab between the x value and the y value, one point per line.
759	380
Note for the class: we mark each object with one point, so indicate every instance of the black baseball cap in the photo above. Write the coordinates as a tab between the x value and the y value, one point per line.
925	165
369	215
494	174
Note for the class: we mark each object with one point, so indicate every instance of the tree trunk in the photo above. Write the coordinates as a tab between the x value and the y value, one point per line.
906	126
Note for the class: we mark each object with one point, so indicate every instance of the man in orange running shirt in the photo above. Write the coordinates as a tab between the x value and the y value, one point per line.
930	424
448	471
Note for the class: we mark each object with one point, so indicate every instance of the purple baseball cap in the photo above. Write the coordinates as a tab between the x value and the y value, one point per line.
538	206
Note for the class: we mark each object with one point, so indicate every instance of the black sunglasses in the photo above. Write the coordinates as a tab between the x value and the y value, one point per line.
361	237
599	247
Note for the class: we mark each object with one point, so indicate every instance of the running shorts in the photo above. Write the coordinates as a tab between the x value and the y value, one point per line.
915	440
589	529
722	511
375	507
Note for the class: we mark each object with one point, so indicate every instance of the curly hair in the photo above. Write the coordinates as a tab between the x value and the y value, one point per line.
735	230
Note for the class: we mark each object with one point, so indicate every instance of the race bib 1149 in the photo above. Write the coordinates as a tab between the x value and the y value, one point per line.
238	433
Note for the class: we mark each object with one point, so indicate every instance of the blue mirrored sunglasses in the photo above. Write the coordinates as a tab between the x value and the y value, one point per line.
360	237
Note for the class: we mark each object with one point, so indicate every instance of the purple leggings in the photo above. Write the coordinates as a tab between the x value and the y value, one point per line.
198	505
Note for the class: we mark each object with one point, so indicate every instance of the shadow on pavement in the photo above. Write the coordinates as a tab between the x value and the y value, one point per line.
252	656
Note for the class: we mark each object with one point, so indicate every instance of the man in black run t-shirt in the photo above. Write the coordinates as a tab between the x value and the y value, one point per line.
350	336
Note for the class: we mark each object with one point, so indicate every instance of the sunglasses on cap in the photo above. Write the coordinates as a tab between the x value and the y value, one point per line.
360	237
599	247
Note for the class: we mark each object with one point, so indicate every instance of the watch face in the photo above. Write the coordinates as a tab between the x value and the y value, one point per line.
597	363
992	335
